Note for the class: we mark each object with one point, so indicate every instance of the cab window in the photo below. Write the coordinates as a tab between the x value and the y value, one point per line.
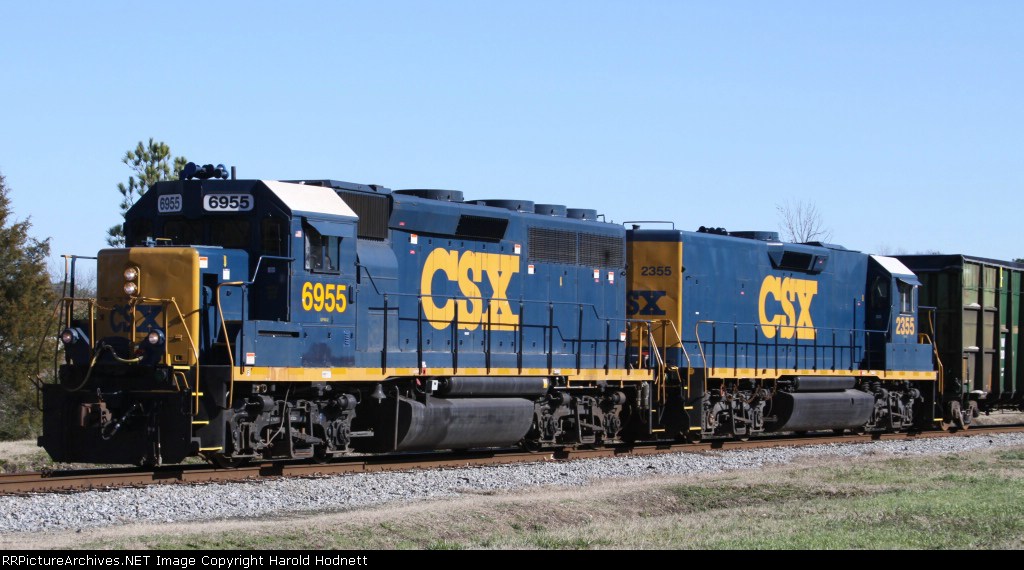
183	232
232	233
140	231
272	237
880	292
906	292
321	251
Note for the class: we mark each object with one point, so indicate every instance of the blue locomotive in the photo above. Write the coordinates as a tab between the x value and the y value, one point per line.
759	336
252	319
312	318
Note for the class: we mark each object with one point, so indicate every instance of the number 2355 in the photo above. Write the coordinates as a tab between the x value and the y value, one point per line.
904	325
319	297
655	270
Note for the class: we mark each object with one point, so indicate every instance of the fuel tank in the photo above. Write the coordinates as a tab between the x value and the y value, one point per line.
807	411
458	423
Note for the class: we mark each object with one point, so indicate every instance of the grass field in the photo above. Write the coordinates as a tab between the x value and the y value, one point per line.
971	501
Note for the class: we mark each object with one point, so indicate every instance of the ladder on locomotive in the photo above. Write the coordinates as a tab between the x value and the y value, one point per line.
661	336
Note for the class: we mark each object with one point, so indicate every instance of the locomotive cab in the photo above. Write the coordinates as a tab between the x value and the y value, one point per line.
225	272
253	319
892	318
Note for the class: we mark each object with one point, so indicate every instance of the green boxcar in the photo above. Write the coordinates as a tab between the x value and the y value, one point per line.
977	318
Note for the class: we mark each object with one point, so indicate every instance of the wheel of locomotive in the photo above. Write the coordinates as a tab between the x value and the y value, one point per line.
532	445
320	454
955	418
972	406
222	462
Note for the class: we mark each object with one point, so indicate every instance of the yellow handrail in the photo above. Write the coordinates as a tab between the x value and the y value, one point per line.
664	325
193	347
227	341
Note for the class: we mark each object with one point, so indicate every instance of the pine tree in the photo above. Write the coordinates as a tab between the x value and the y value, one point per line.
151	163
27	303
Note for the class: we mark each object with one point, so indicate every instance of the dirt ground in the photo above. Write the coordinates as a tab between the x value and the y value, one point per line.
654	512
505	505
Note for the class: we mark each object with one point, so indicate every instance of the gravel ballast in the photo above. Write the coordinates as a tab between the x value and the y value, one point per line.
186	503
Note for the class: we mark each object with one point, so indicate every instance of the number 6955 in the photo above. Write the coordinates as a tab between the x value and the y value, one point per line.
320	297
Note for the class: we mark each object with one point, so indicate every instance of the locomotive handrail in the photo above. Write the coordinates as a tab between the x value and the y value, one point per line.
191	341
227	341
372	280
259	261
550	329
735	342
66	305
659	378
71	276
530	302
592	306
664	325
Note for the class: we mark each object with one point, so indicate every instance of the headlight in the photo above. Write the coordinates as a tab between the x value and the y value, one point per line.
155	337
130	274
67	337
131	288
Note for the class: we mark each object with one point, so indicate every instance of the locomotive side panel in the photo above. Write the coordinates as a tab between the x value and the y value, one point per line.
777	337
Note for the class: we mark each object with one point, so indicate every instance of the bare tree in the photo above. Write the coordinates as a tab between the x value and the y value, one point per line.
801	222
886	249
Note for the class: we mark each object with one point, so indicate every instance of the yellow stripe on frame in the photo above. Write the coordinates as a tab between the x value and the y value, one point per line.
727	373
296	374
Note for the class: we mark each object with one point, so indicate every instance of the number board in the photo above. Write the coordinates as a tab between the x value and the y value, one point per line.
169	204
227	202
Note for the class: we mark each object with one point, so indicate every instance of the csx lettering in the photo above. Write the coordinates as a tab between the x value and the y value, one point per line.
469	269
121	318
905	325
794	298
650	300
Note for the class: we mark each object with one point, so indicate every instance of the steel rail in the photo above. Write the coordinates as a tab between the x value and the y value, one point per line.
93	479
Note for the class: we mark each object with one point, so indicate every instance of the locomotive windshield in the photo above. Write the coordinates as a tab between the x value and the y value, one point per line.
231	233
227	232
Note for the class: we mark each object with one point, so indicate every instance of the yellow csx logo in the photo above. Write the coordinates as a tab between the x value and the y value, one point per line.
791	311
468	269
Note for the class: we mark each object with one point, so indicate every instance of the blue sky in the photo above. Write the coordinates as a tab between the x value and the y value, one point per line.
901	121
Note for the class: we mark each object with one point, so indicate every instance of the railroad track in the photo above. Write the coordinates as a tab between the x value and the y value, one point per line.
104	479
